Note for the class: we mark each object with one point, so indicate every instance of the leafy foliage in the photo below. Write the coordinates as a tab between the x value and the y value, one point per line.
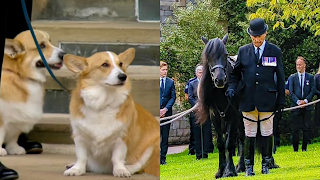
289	14
181	46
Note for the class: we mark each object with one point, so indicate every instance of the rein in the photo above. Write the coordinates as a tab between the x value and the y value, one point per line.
24	8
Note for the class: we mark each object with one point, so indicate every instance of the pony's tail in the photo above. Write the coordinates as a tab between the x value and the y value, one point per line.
202	113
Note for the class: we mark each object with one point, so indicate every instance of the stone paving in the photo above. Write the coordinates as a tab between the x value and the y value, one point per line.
49	166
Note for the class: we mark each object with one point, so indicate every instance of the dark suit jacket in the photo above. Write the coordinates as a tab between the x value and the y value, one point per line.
168	96
295	90
192	92
256	84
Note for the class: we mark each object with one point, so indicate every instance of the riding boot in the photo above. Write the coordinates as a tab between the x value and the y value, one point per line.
266	152
249	145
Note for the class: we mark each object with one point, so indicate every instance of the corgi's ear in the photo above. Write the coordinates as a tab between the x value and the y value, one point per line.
127	57
74	63
13	48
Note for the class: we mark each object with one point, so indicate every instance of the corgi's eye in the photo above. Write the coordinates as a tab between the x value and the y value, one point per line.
120	64
105	65
42	45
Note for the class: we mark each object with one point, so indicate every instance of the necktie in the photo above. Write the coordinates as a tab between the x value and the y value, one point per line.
162	85
301	84
257	54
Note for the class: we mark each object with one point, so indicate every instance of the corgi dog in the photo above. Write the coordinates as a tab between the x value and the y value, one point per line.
112	133
22	86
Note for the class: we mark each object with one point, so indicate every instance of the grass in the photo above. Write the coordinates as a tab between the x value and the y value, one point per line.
294	166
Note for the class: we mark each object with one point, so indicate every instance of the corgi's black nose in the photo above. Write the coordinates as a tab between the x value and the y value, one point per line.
122	77
61	54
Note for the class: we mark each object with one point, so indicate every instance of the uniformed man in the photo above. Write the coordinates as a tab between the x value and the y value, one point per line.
260	96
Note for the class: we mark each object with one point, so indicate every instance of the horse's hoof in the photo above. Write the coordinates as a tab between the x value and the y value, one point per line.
229	172
219	174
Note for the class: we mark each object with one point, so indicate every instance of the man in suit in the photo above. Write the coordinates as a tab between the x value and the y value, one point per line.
260	96
191	139
202	146
167	99
301	88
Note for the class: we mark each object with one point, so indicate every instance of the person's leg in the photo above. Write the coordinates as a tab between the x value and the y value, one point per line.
250	129
276	133
266	128
296	120
164	142
210	139
16	16
5	173
198	141
191	139
306	129
206	131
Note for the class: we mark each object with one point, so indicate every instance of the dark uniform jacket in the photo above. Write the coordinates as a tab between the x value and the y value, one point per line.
257	87
192	92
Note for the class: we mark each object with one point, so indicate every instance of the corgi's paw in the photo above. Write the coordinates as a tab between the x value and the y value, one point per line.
3	152
121	172
74	172
16	150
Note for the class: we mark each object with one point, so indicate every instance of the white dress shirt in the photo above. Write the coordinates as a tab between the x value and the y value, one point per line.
261	49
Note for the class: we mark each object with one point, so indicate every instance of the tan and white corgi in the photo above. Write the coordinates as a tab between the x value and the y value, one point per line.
112	133
22	91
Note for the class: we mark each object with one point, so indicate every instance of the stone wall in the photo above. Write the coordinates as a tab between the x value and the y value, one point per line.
179	131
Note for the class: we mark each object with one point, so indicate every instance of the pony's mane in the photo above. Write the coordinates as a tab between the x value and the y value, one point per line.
213	49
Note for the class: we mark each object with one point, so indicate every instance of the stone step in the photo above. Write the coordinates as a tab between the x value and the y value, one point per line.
53	129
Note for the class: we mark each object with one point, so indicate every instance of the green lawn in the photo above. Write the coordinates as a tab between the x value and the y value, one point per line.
294	165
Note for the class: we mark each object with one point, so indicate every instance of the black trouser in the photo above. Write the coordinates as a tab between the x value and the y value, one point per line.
276	132
206	141
300	120
164	131
192	141
12	21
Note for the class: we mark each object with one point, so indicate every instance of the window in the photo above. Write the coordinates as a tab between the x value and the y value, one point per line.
148	10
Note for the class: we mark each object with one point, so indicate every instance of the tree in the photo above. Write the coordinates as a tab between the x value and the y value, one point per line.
289	13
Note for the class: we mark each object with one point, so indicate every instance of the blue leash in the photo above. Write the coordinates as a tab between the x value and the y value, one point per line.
36	42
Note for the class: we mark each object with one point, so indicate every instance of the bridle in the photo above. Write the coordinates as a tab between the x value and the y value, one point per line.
215	67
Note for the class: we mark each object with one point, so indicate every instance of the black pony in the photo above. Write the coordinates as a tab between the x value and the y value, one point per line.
221	110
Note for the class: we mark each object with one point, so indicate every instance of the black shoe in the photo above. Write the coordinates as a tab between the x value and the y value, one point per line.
7	174
191	152
163	163
272	164
31	147
205	156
